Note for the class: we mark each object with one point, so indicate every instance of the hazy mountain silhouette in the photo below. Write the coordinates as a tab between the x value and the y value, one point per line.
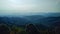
39	19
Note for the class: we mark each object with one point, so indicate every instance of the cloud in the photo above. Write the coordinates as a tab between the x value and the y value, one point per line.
30	5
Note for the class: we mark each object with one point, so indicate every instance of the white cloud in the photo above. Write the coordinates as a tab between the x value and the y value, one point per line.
29	5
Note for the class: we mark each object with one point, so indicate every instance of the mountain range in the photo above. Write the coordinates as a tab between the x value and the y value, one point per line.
41	20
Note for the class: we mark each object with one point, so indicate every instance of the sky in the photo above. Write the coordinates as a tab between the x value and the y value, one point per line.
12	7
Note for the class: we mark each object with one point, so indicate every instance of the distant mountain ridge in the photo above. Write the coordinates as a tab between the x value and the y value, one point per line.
43	14
39	19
